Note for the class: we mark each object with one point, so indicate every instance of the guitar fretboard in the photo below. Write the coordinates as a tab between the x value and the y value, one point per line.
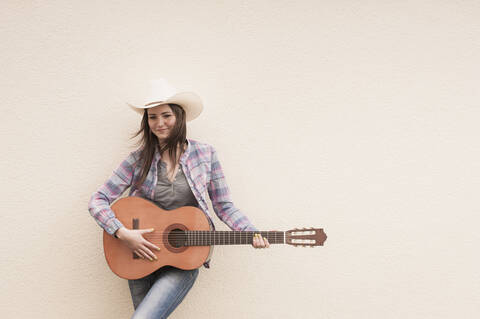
208	238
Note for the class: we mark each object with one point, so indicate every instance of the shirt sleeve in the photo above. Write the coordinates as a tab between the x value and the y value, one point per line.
100	201
220	196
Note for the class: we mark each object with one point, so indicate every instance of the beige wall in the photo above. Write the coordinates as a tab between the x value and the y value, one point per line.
361	117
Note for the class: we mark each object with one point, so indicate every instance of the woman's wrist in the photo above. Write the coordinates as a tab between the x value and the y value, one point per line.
119	232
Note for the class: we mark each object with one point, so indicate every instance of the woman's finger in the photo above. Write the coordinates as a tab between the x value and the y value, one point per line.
143	254
146	230
258	244
254	241
139	254
267	244
150	255
261	242
151	245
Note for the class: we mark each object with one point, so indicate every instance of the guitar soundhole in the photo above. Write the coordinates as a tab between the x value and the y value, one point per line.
177	238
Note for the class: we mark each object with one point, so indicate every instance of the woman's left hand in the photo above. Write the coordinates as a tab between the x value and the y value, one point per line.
260	242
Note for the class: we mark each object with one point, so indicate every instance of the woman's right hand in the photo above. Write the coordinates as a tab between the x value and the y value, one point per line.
134	240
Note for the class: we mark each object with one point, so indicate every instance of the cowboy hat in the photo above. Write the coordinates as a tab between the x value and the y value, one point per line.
161	92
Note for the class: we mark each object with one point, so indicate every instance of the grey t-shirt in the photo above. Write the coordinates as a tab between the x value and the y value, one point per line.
171	195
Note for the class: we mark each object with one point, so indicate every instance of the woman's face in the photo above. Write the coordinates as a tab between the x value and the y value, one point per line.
161	120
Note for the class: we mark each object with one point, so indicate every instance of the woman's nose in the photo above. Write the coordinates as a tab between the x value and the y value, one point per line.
159	123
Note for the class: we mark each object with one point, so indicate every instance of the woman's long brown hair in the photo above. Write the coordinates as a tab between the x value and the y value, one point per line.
148	141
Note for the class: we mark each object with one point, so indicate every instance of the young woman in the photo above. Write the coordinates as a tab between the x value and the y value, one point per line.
172	171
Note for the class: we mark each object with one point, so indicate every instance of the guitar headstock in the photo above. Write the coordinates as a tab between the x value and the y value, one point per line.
306	237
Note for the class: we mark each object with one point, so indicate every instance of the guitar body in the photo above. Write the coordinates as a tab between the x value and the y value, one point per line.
139	213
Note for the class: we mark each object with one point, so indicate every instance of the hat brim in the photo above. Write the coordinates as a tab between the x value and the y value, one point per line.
189	101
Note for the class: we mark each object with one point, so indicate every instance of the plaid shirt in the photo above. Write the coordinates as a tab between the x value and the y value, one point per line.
202	171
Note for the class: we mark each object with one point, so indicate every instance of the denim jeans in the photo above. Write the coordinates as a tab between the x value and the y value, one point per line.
158	294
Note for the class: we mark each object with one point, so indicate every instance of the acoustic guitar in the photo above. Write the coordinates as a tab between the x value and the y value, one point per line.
184	237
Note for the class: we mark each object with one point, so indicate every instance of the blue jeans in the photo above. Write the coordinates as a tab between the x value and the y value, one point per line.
158	294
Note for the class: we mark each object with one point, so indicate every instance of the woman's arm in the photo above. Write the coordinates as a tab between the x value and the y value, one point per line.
99	207
100	201
220	196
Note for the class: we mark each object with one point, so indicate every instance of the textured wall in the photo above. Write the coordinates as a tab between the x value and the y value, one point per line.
357	116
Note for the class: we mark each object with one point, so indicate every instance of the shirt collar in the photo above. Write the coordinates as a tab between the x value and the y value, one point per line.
183	158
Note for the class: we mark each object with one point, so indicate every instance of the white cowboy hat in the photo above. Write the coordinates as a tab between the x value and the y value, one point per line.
161	92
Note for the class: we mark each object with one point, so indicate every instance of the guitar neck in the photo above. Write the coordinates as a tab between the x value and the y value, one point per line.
209	238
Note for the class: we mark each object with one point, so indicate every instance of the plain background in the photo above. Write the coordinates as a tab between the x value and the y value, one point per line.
359	117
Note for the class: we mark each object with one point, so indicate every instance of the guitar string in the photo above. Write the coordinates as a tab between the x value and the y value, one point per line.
223	241
218	236
225	234
196	237
190	244
193	242
191	234
208	235
215	232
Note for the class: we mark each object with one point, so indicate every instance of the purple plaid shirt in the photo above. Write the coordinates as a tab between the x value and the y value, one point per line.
202	171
